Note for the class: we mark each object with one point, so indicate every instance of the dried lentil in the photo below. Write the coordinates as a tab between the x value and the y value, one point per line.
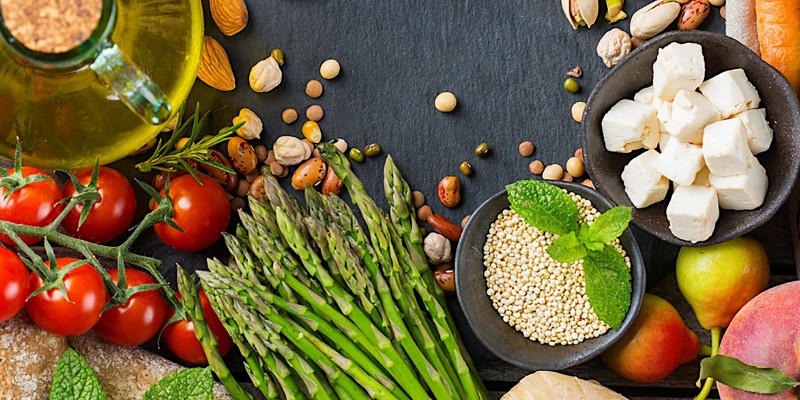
289	116
424	212
526	148
314	89
536	167
417	199
315	113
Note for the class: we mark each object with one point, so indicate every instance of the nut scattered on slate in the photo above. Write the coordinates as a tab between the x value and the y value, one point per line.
553	172
465	168
417	199
424	212
372	150
289	116
314	89
577	111
482	150
315	113
465	220
261	152
526	148
536	167
567	178
575	166
356	154
330	69
445	102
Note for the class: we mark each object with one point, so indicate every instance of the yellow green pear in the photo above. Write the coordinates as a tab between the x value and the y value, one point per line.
718	280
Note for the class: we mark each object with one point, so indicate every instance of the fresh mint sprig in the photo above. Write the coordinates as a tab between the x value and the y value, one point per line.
550	209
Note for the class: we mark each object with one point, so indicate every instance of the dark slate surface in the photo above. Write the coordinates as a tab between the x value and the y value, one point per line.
506	62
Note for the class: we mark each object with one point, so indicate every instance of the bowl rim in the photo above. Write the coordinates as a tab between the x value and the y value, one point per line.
781	85
638	285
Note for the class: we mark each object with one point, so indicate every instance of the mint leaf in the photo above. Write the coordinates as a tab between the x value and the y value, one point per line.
608	285
544	206
186	384
740	375
609	225
567	248
74	379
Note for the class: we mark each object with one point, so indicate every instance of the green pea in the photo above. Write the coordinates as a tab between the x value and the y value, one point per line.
356	154
372	150
264	170
571	85
277	54
482	150
465	168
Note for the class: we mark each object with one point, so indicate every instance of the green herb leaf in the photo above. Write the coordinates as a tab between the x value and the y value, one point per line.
544	206
609	225
740	375
608	285
567	248
74	379
186	384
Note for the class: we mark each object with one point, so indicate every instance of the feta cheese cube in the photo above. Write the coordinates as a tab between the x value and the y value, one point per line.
645	96
725	148
678	66
759	134
663	140
680	161
690	113
731	92
693	212
643	184
629	126
742	192
702	178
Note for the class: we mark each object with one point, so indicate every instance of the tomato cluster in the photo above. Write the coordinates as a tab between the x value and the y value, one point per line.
201	211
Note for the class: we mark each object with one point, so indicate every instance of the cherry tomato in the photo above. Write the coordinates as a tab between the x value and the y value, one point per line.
36	204
181	340
110	216
201	211
57	315
14	284
138	320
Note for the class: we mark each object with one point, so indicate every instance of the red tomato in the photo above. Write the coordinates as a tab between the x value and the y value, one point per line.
35	204
180	339
138	320
14	284
201	211
111	216
55	314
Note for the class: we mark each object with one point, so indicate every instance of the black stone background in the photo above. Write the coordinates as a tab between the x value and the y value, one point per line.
505	61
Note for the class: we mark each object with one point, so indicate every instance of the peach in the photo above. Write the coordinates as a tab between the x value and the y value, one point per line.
766	332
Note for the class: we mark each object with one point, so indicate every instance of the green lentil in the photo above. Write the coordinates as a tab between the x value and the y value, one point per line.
372	149
571	85
277	54
465	168
482	150
356	154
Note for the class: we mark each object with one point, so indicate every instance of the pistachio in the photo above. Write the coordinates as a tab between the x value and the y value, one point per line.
614	46
265	76
653	18
614	11
290	150
693	14
580	12
309	173
243	156
252	124
230	181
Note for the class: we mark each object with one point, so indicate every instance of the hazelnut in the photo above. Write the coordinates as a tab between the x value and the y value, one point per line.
437	249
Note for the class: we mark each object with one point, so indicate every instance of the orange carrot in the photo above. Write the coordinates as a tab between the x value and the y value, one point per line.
778	23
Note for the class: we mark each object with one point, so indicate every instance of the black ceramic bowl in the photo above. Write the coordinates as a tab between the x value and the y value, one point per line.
499	337
721	53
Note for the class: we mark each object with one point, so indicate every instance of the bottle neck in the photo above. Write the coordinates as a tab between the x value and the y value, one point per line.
67	61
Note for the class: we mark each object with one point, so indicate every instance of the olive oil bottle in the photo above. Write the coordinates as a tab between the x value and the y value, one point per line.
105	97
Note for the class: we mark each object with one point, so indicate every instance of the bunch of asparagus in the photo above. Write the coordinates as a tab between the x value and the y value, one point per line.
322	308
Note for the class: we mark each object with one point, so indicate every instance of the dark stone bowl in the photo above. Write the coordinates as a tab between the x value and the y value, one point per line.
499	337
721	53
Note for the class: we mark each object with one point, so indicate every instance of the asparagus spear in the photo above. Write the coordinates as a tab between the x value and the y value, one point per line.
194	309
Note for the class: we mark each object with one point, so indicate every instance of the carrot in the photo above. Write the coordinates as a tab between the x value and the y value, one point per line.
778	24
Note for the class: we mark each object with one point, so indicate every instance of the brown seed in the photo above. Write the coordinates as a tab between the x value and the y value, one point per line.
449	191
575	167
315	153
314	89
230	181
536	167
445	227
723	11
160	179
424	212
579	153
588	183
332	185
310	145
261	152
636	42
257	189
243	156
270	157
526	148
251	177
465	220
242	188
230	15
278	170
417	199
575	72
315	113
237	204
289	116
567	178
445	278
309	173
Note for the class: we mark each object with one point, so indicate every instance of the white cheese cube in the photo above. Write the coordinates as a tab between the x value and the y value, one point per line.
680	161
645	96
759	134
731	92
725	148
643	184
663	140
690	113
629	126
692	213
742	192
678	66
702	178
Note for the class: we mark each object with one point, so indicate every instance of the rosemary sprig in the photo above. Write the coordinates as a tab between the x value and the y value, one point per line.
167	158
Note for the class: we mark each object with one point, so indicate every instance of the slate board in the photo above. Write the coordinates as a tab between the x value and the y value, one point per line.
506	62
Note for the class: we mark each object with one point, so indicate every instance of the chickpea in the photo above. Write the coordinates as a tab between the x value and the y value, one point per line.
553	172
526	148
330	69
445	102
575	167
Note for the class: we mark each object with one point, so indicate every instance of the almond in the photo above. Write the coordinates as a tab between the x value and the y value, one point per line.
229	15
215	67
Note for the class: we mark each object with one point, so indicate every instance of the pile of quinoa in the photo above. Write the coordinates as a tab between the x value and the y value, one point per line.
544	299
